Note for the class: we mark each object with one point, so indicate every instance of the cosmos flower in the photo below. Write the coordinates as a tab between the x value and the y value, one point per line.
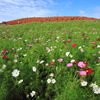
82	73
48	80
72	61
46	64
4	51
93	85
81	64
32	93
52	74
60	60
74	45
96	90
69	65
4	66
99	52
20	81
52	63
98	46
53	81
15	61
34	69
70	55
93	42
83	83
42	61
5	57
88	71
67	54
15	72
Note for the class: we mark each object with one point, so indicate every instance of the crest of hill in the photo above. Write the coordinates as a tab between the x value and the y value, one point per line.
46	19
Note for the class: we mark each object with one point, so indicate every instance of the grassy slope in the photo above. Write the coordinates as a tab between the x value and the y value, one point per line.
65	77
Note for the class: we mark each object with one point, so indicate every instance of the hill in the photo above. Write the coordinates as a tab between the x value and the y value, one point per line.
46	19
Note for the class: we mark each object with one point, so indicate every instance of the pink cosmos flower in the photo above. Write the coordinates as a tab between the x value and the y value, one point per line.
4	51
98	51
69	65
93	42
60	60
94	55
98	57
81	64
12	48
82	73
30	45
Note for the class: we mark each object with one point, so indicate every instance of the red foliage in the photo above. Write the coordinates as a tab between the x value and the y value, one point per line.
47	19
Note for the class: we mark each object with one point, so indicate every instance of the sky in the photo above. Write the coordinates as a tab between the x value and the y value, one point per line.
18	9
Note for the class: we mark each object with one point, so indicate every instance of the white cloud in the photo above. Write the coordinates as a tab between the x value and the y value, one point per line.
95	13
15	9
82	13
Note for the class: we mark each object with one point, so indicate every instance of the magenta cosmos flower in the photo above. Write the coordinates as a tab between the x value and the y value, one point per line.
82	73
81	64
60	60
69	65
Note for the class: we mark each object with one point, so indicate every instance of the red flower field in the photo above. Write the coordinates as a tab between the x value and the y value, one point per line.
47	19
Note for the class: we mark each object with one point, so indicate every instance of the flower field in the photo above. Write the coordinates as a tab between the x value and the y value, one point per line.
50	60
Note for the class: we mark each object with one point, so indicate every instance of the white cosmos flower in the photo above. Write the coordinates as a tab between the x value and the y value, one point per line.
58	37
1	70
98	46
82	50
53	81
34	69
17	49
20	48
4	66
53	60
15	72
67	54
98	64
48	80
96	90
52	74
70	55
42	61
37	61
79	47
83	83
25	55
46	64
25	40
32	93
94	85
72	61
15	61
20	81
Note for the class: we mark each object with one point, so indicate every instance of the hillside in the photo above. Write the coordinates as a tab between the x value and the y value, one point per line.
45	19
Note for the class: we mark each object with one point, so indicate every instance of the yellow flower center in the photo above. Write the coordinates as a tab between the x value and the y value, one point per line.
87	71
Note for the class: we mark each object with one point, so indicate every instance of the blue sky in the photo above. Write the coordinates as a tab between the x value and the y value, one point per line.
16	9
